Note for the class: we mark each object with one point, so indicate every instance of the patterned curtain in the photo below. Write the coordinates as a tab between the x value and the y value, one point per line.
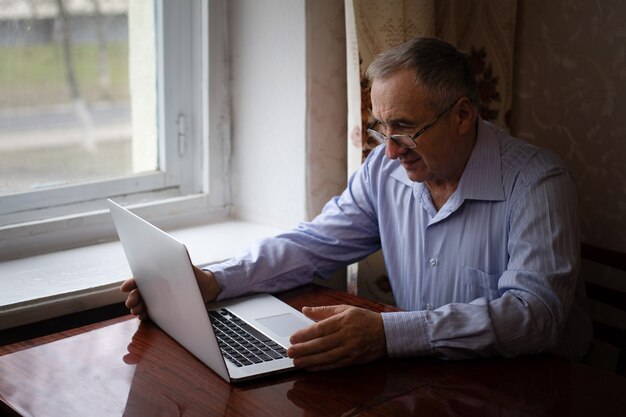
483	29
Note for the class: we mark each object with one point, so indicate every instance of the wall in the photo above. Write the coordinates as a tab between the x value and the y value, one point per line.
570	96
268	111
327	109
326	103
288	111
288	68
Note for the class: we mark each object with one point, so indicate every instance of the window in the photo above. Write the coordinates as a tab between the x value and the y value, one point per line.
106	99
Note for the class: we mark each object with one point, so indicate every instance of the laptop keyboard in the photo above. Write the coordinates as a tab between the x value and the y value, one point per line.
241	343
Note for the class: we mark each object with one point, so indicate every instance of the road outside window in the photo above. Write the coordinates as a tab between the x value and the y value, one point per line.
66	114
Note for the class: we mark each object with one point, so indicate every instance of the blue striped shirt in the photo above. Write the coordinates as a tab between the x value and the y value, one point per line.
493	272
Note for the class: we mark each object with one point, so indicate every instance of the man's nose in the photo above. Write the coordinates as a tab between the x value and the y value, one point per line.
393	151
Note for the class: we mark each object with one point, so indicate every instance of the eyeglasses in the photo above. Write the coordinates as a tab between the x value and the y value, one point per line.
408	141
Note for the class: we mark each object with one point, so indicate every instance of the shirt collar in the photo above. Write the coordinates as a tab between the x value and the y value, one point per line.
482	177
399	173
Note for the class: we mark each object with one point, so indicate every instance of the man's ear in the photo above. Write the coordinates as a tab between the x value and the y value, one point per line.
466	115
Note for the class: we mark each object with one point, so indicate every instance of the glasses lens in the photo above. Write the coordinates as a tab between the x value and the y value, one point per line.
377	135
403	140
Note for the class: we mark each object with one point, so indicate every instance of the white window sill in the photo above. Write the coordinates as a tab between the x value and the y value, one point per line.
54	284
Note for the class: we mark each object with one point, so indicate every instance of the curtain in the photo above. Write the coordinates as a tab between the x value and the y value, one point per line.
485	30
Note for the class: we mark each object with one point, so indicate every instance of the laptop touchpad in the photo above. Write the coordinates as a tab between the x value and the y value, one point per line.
283	325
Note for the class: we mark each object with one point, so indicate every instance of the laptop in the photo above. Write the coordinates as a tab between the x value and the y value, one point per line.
239	339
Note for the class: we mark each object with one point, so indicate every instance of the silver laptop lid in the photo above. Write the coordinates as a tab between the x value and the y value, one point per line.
163	271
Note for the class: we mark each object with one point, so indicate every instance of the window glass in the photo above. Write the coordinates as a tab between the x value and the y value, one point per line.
70	105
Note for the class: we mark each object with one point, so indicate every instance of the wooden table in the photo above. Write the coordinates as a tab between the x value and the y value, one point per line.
123	368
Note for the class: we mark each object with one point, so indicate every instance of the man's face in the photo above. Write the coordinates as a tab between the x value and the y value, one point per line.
400	107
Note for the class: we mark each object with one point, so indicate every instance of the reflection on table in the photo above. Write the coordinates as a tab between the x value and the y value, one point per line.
124	368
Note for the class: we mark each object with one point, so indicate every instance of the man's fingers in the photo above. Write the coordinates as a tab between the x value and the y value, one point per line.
327	323
321	313
314	345
128	285
138	311
317	330
133	299
135	304
332	358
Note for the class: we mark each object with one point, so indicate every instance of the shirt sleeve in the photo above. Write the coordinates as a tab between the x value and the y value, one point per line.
536	290
346	231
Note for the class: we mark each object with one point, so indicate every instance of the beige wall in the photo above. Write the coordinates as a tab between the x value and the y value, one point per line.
267	41
326	103
570	96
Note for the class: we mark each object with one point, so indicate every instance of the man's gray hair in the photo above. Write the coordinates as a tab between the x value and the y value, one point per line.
444	71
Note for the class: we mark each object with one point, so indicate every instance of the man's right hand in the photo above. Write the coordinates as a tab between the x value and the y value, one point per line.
133	300
207	284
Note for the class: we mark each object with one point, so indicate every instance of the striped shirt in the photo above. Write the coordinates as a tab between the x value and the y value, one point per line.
493	272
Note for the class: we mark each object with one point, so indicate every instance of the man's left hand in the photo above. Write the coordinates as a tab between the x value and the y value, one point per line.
343	336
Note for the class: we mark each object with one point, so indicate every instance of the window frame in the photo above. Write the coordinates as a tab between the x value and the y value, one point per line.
189	86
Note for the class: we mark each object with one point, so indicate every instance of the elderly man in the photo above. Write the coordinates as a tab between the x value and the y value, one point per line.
478	229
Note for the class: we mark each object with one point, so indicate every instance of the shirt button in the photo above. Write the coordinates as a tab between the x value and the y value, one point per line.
429	307
433	261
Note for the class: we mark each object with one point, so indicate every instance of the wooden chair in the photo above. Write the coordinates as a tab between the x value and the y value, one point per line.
604	272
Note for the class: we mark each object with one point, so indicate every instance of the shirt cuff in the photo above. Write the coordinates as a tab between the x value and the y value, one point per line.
407	334
228	276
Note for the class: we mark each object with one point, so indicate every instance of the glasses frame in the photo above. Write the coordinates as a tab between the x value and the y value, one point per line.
397	139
